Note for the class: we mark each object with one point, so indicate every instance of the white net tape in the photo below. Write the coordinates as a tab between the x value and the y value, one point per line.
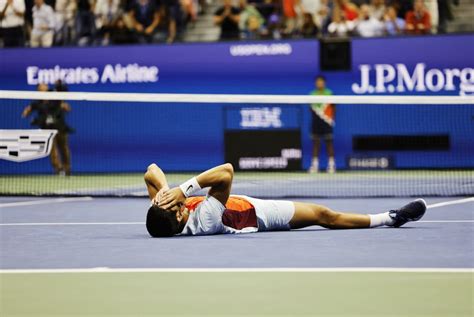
232	98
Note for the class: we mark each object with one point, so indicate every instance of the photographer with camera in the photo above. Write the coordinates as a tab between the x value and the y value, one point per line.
51	114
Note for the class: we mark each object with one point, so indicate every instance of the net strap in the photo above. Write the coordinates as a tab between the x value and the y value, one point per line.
232	98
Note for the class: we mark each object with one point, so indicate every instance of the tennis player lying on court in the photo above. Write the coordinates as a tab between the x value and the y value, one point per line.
175	212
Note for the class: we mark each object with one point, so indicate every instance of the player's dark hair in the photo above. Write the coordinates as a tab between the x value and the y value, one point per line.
320	77
161	222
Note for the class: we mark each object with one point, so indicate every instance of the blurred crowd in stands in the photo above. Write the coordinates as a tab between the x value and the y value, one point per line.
45	23
256	19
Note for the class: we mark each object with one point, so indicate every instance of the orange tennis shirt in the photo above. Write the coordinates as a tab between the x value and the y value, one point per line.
239	213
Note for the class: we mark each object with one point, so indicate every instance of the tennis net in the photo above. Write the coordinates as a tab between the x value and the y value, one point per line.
383	145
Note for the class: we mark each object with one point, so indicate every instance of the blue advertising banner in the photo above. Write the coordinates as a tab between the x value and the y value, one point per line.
261	67
436	65
125	137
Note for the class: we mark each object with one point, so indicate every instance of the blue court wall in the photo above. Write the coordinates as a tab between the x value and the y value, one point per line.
125	137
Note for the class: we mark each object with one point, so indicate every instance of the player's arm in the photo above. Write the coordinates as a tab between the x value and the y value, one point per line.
155	181
219	178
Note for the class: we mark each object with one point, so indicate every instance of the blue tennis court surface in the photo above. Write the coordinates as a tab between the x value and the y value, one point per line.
83	232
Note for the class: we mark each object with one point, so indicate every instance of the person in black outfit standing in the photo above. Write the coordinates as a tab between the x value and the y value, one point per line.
51	115
12	19
228	17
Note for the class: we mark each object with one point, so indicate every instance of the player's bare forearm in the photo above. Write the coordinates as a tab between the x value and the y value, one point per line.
219	178
155	180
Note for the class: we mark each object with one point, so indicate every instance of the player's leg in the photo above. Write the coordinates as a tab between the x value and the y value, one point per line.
311	214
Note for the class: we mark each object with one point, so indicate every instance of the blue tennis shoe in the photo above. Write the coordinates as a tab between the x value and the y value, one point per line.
410	212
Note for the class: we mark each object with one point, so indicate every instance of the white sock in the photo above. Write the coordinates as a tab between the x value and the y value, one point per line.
331	161
315	163
382	219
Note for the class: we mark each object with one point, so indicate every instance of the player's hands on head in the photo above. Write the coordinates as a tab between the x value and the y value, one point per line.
172	199
156	200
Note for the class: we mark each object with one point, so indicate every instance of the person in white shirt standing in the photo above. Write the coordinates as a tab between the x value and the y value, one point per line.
368	26
12	19
43	25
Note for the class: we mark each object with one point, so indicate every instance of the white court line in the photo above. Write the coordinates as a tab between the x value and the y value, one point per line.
243	270
446	221
45	201
61	200
70	223
452	202
12	224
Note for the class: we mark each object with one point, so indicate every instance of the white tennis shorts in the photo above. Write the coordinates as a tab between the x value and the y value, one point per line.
273	215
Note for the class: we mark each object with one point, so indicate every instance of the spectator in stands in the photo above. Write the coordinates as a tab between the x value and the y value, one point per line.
368	26
418	20
322	127
120	33
445	13
228	17
190	9
106	13
12	13
432	7
145	19
251	22
309	28
402	6
275	24
85	24
267	8
170	15
323	16
350	11
377	9
292	11
51	115
310	7
65	16
167	26
339	27
43	25
393	24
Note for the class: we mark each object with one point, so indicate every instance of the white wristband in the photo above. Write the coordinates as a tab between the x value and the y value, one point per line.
190	187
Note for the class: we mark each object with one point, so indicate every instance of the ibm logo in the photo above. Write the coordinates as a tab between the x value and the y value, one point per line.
260	117
25	145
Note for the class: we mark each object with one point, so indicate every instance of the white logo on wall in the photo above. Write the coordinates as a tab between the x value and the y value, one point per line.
115	74
260	117
261	49
397	78
369	162
278	162
25	145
